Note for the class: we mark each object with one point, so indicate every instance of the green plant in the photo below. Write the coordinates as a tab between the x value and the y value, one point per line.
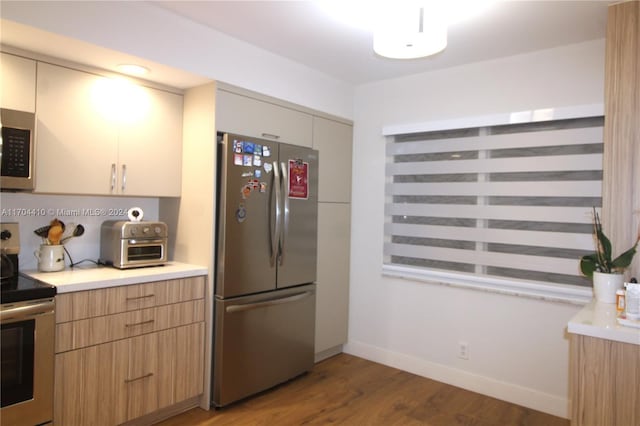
601	260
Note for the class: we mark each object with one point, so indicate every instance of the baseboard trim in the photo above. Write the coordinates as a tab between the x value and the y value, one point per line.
328	353
509	392
164	413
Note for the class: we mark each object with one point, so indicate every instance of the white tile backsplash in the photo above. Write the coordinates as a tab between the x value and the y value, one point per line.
32	211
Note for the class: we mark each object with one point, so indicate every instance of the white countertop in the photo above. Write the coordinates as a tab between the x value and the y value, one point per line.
93	277
599	320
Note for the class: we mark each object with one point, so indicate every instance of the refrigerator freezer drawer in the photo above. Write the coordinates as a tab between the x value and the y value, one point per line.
261	341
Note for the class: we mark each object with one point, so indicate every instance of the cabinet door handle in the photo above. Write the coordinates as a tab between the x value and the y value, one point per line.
140	297
139	323
270	136
113	176
138	378
267	303
124	177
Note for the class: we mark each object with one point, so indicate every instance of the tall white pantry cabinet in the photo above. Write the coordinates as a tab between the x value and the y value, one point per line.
247	113
334	141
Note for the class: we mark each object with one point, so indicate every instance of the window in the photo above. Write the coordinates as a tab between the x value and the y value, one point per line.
503	202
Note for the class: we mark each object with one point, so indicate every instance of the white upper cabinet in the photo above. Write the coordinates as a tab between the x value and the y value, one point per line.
334	142
151	148
18	77
76	144
252	117
102	136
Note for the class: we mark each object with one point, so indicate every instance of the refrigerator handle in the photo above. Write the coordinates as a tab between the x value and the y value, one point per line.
258	305
285	196
275	238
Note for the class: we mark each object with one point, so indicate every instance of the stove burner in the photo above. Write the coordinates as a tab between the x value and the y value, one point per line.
21	288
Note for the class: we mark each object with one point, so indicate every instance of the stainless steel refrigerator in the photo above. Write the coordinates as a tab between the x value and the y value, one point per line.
264	309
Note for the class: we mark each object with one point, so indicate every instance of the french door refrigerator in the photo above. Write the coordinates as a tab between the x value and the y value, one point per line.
264	309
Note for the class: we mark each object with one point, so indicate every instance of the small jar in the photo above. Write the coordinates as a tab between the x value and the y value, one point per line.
620	300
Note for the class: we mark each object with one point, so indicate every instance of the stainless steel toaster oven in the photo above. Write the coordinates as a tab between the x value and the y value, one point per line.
126	244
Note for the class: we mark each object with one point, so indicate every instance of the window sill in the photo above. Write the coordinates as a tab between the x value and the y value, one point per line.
549	292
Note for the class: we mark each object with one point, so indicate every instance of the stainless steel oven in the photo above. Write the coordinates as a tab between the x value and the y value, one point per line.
27	326
28	330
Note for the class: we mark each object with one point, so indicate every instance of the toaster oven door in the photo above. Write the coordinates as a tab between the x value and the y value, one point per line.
143	252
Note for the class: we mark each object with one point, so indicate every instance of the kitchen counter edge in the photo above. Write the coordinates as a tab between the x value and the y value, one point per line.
97	277
599	320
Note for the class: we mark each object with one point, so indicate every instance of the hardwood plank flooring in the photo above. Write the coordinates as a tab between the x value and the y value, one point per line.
348	390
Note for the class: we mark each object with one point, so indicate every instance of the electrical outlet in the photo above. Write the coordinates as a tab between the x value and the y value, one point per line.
463	350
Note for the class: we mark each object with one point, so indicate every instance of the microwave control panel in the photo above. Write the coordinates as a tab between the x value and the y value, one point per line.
15	152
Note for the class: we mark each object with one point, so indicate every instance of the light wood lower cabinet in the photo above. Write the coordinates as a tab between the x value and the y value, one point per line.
604	382
87	386
107	377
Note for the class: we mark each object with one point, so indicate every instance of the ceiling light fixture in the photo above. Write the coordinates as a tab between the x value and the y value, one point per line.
405	29
410	30
133	69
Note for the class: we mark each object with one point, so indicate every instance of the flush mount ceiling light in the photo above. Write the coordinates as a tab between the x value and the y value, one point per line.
133	69
410	31
404	29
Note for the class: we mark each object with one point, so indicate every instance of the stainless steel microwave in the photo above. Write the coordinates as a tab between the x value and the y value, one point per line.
17	150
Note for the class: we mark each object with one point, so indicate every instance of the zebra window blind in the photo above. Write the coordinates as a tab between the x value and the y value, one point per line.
510	201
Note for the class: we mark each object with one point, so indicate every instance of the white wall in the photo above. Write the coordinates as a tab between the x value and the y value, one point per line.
149	32
518	348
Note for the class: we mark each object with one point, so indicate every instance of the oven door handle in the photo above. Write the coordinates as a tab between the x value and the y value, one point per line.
25	312
145	242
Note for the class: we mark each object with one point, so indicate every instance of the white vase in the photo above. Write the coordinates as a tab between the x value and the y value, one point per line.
605	286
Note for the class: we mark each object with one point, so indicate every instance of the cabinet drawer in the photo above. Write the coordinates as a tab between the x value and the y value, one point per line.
93	331
107	301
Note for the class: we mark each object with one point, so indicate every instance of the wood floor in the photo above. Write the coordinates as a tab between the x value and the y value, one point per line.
347	390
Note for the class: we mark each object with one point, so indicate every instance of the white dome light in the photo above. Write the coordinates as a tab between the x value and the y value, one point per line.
405	29
410	30
410	45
